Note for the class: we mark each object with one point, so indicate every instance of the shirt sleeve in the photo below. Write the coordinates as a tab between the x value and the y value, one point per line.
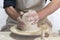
8	3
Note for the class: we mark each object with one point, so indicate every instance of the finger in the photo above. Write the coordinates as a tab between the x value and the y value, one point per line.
31	14
20	22
30	19
31	22
35	21
36	18
20	26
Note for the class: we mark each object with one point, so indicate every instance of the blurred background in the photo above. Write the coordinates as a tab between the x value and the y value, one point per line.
54	18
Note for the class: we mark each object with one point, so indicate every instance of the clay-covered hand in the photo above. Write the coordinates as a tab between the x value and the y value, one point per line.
32	16
20	23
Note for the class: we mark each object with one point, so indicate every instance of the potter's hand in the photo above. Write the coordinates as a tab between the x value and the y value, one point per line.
32	16
20	23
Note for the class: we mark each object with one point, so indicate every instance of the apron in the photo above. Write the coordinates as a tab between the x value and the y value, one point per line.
25	5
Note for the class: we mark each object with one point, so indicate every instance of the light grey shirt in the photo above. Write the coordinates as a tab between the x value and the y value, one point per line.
30	4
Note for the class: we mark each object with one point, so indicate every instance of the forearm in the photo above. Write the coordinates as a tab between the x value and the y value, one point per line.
49	9
12	12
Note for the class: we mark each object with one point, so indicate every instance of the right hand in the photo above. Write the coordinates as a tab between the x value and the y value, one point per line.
20	23
32	16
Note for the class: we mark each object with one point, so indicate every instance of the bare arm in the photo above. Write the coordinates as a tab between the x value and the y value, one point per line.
12	12
49	9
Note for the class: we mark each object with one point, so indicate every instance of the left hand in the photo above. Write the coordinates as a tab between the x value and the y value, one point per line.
20	23
32	16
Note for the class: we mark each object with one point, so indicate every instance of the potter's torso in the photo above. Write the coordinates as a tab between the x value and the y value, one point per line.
30	4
